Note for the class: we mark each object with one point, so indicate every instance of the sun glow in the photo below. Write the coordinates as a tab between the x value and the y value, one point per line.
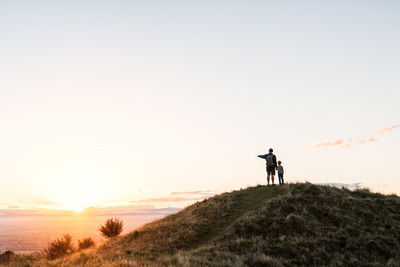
77	208
75	191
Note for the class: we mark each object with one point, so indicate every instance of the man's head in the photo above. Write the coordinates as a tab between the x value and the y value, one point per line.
279	162
271	150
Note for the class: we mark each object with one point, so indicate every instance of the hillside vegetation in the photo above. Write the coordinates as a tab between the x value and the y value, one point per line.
289	225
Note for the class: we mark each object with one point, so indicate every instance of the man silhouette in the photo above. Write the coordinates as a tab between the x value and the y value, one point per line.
271	165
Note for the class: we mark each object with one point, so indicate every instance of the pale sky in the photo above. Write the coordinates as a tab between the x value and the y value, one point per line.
106	102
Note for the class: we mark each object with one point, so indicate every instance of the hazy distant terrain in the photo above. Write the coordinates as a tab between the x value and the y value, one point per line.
30	230
32	233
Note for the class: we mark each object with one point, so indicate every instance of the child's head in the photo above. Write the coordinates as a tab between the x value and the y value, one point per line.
279	162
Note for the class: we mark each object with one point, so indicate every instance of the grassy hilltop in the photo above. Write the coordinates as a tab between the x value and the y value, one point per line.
289	225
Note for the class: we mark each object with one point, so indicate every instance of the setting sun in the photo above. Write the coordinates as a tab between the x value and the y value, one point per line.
75	191
77	208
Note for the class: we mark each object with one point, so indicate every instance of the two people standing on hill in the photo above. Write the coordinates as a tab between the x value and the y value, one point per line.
272	165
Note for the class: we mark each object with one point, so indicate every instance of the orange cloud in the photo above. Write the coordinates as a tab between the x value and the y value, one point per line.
374	137
338	142
206	192
348	143
165	199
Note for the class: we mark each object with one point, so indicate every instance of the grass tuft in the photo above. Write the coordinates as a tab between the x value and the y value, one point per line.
85	243
59	247
111	228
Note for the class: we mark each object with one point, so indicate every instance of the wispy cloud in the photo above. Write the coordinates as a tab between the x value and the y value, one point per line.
180	196
350	142
374	137
353	186
339	142
193	192
165	199
137	210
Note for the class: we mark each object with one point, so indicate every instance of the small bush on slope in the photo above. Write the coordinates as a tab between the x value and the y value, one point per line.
85	243
111	228
6	257
59	247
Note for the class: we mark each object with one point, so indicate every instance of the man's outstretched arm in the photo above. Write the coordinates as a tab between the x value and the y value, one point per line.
262	156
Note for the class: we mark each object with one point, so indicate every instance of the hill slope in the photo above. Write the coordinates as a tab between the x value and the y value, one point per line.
294	224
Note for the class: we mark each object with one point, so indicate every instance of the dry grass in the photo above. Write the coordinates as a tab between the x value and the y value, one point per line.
289	225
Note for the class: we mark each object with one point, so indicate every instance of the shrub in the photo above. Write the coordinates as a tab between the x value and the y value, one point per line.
59	247
111	228
7	256
85	243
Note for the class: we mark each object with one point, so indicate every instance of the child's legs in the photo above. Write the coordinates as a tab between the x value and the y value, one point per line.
280	176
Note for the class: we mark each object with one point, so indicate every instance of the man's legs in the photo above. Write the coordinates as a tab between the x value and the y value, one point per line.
271	173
